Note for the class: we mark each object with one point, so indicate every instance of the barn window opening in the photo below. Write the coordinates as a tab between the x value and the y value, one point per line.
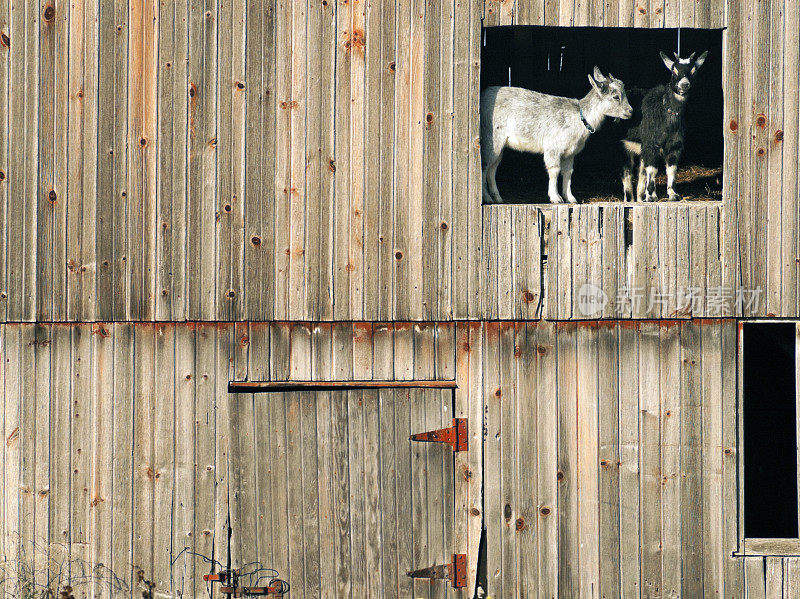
770	430
558	61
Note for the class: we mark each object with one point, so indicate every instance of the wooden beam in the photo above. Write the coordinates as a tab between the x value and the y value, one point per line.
282	386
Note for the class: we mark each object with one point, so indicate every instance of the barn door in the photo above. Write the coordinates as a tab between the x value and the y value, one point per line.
327	489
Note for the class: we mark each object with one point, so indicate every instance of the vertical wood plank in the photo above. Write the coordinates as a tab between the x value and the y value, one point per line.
342	210
183	574
650	459
469	403
588	490
142	513
12	454
713	558
493	507
355	256
509	492
389	53
342	356
227	196
22	207
45	184
432	132
609	459
259	160
775	166
202	69
629	450
760	142
164	441
143	156
568	553
6	74
103	455
755	578
691	457
443	225
221	516
172	131
461	159
41	346
205	433
526	471
733	566
387	453
299	348
790	250
299	160
120	264
373	135
670	417
26	435
122	467
322	365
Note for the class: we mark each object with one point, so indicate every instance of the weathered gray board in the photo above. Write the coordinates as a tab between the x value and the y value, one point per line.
319	161
607	466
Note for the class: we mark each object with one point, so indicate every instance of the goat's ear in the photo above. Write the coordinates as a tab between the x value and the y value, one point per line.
594	84
667	61
599	77
699	62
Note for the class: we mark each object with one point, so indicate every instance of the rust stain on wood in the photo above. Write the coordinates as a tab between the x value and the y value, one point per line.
12	437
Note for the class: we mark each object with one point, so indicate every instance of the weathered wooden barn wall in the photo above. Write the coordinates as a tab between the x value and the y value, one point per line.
121	446
610	459
607	466
318	160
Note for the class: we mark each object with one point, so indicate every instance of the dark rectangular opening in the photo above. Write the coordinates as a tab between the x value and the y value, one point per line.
770	430
557	60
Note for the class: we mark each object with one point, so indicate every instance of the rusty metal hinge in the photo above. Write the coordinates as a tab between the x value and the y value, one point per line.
455	571
457	435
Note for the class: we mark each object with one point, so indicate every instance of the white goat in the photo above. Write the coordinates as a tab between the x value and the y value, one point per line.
553	126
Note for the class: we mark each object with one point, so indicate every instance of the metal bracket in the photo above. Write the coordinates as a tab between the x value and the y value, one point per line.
455	571
230	580
457	435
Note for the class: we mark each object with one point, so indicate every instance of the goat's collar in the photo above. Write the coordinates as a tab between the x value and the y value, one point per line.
585	122
670	110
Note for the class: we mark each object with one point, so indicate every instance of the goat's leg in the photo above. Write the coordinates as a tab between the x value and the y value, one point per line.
487	196
672	158
651	172
650	158
491	183
672	170
627	179
552	162
641	183
566	179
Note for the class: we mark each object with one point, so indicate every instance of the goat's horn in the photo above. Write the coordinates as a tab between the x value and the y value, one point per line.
691	58
675	54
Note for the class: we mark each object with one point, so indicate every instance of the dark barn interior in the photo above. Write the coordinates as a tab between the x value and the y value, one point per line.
770	431
556	60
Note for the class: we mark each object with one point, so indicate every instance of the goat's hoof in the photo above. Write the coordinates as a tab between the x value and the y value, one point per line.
674	197
572	199
556	199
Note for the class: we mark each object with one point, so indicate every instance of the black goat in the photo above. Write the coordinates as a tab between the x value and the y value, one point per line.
657	131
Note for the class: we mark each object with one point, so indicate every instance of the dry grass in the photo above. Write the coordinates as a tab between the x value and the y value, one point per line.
694	183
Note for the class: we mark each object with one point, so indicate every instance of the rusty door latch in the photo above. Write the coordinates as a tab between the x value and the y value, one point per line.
455	571
456	436
231	587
